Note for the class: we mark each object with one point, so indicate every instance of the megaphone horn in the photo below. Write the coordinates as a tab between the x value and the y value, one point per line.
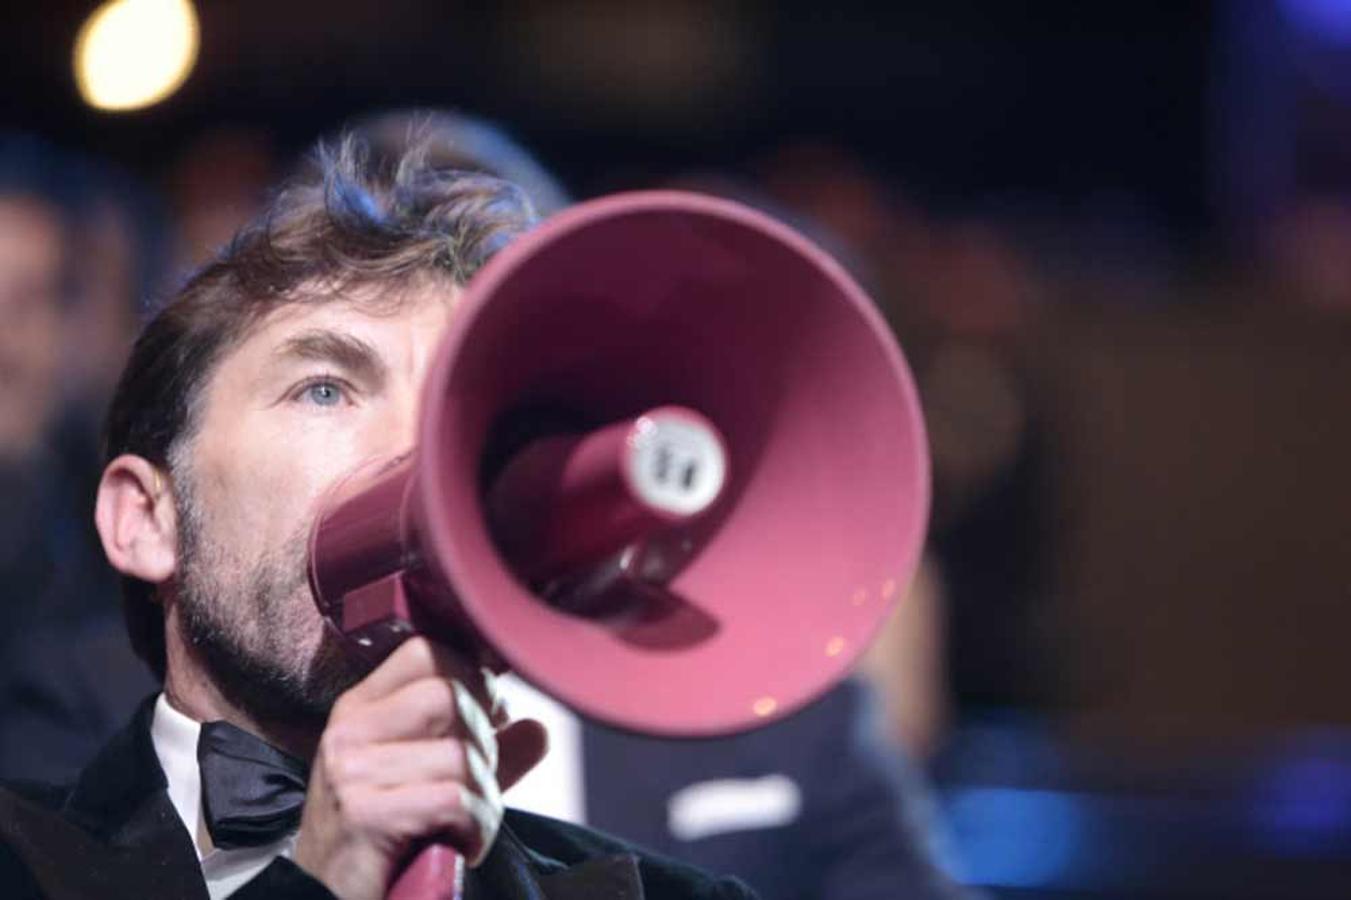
670	468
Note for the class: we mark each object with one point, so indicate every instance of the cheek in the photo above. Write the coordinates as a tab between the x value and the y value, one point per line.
267	483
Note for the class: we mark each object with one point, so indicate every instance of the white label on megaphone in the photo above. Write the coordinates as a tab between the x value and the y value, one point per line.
676	462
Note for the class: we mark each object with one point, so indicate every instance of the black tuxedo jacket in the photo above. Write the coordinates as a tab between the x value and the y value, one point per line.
861	832
115	834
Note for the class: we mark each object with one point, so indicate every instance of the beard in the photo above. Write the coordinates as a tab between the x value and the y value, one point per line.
250	620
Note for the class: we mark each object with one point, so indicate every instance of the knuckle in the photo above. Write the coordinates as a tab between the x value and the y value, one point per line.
335	740
357	812
347	767
342	707
420	651
437	705
336	745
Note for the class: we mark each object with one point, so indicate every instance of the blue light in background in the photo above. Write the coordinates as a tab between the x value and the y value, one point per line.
1304	807
1012	837
1329	20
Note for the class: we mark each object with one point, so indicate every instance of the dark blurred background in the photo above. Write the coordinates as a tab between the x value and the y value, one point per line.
957	99
1115	242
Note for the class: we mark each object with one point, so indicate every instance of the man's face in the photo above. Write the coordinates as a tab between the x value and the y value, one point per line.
312	392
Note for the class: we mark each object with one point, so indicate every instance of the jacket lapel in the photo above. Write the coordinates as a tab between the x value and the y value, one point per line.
512	871
126	839
614	877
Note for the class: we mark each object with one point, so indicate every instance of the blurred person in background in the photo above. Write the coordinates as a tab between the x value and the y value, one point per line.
35	263
215	185
963	300
80	244
1306	249
989	453
48	553
907	664
124	254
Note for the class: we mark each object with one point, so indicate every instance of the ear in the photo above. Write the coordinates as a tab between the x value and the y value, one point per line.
136	519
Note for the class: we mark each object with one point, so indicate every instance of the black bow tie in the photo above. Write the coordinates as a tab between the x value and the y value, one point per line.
252	793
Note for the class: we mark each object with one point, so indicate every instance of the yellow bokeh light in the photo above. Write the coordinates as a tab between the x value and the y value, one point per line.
131	54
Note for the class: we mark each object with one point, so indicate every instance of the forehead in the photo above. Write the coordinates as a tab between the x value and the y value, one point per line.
420	312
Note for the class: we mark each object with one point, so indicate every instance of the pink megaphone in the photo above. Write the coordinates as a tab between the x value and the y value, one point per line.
671	468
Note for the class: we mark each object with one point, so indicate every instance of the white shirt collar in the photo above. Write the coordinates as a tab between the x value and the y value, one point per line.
174	736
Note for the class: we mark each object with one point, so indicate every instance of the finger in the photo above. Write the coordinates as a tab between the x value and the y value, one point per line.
521	745
447	809
416	658
428	708
411	762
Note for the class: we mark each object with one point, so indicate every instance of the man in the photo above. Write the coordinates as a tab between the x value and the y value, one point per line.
851	830
289	361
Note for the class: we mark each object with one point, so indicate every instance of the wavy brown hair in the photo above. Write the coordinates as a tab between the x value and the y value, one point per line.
348	221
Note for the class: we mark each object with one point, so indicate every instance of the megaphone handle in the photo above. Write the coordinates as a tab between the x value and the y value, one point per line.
436	873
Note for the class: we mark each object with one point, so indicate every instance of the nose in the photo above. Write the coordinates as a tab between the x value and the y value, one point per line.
400	425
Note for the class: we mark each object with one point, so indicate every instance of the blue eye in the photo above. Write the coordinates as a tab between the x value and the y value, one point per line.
323	393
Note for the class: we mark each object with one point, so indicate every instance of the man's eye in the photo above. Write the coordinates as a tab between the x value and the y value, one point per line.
322	393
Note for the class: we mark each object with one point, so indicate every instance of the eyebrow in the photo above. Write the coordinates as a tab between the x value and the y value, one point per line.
343	350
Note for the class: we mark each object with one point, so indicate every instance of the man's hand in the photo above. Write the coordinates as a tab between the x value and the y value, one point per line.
420	748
